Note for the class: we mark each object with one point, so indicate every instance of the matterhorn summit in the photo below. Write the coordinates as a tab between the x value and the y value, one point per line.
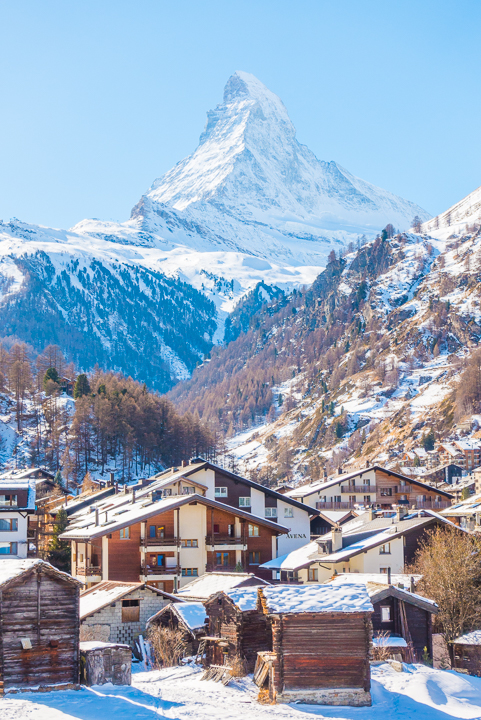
250	186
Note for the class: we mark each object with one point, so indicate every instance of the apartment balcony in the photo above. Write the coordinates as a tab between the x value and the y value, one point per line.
212	567
89	571
360	489
433	504
159	570
224	540
334	505
160	542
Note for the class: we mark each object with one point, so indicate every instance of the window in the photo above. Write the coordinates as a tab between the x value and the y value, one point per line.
157	560
190	543
188	490
367	498
385	549
337	498
385	613
231	530
352	499
8	500
216	529
386	492
288	512
130	610
125	533
222	559
244	502
167	491
254	558
313	574
271	512
157	531
8	548
8	525
384	570
190	572
220	492
253	530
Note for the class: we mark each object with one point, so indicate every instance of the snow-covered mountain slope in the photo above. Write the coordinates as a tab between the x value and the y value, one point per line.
251	186
458	219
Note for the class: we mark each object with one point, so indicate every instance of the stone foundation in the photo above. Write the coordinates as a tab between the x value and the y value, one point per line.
355	697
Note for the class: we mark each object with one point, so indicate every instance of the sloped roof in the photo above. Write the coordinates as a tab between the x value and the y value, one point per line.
11	570
110	591
471	638
317	599
209	583
296	559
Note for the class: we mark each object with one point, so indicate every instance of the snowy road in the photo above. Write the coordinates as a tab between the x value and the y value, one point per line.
178	694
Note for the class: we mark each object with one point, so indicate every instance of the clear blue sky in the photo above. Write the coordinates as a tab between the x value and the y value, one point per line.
100	98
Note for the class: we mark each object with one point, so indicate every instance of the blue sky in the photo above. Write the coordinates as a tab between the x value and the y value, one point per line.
97	99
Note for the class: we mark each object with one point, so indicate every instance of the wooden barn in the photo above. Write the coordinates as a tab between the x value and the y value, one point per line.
237	619
189	617
39	626
467	653
102	663
402	615
321	638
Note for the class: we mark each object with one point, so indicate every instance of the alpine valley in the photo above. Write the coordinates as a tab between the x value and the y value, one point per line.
149	297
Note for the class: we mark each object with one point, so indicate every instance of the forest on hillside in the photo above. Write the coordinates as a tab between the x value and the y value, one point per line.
112	422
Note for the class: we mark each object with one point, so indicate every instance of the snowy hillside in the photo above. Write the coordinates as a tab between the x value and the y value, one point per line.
457	219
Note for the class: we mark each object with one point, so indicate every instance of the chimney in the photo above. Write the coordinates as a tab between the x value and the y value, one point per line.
412	585
336	533
367	463
371	513
111	476
133	496
96	516
325	473
400	512
389	576
116	488
339	470
126	489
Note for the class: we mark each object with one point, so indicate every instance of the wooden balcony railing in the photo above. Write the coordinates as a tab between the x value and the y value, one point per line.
90	570
334	505
212	567
159	570
224	540
433	504
159	542
358	489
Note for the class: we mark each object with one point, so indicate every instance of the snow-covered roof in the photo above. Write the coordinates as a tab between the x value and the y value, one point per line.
109	591
294	560
99	645
380	578
11	569
337	515
209	583
317	599
192	613
363	545
245	598
471	638
389	642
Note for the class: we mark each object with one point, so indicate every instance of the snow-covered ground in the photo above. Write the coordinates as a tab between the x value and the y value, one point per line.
178	693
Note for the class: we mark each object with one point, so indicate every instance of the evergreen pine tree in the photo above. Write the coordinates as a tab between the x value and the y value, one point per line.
59	550
58	479
52	375
81	386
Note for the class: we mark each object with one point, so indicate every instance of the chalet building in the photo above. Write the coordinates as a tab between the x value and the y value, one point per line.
188	617
184	523
367	544
466	453
39	620
168	540
202	588
117	612
321	639
466	651
326	520
450	474
466	514
372	486
17	504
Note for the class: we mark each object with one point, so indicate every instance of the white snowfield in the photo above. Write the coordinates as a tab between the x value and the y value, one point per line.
178	694
454	220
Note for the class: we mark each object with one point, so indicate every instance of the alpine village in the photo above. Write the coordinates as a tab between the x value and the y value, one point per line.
265	481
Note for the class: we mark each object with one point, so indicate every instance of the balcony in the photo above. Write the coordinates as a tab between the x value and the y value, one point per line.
90	571
159	542
160	570
433	504
212	567
363	489
334	505
224	540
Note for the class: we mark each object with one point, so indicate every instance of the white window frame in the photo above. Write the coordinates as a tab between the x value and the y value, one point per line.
220	491
245	501
385	610
271	512
289	512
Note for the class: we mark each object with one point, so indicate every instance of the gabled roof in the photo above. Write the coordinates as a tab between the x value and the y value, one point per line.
306	490
376	578
190	614
212	582
196	466
471	638
108	592
378	592
12	570
316	599
129	513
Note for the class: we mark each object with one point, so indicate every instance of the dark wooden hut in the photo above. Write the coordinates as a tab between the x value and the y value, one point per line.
402	614
238	628
189	617
467	653
321	637
39	625
102	663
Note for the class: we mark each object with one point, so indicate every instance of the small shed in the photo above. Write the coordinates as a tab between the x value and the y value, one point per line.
102	663
467	653
117	612
402	615
189	617
209	583
237	619
39	626
321	639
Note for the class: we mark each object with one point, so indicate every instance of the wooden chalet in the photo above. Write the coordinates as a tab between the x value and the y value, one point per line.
39	623
238	628
321	639
188	617
466	653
